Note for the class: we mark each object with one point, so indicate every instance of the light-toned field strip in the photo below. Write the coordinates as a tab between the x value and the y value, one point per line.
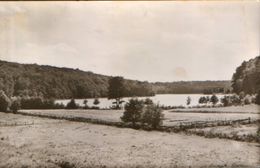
171	118
84	144
252	108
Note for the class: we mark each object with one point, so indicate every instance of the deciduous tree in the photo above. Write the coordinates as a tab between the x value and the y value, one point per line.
116	90
4	102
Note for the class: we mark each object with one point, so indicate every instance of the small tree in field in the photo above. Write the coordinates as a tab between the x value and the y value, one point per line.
225	101
207	99
242	95
85	102
116	90
96	101
188	100
72	104
133	111
152	116
258	131
4	102
257	100
214	100
202	100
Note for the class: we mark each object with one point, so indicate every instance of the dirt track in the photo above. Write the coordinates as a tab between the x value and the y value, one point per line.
52	143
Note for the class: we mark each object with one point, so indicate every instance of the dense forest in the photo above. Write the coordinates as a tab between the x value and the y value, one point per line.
206	87
51	82
247	77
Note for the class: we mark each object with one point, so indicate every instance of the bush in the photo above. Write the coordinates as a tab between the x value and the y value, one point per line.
257	100
31	103
171	107
15	106
242	95
258	131
148	101
236	100
96	101
141	112
4	102
85	102
94	107
72	105
39	103
188	101
214	99
59	106
152	116
247	100
202	100
225	101
133	111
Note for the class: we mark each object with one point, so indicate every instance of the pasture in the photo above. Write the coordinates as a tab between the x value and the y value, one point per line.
171	118
60	143
53	138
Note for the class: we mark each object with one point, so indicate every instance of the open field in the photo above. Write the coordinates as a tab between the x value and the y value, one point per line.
252	108
13	120
57	143
171	118
173	122
238	132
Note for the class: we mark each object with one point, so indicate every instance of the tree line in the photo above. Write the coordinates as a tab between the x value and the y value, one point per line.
192	87
246	79
32	80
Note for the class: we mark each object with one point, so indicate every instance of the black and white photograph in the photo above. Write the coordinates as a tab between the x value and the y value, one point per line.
130	84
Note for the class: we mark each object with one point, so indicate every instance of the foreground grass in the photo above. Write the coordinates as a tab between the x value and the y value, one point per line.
173	122
74	144
236	132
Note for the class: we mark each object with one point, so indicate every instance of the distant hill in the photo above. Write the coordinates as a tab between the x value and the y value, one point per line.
247	77
52	82
206	87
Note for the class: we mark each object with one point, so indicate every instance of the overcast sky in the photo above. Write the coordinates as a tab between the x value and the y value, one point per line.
154	41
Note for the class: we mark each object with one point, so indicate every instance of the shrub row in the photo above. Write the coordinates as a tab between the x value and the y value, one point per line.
210	134
16	103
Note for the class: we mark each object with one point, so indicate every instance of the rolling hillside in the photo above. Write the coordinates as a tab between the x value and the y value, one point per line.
52	82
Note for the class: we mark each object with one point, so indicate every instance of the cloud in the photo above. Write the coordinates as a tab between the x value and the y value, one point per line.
155	41
45	54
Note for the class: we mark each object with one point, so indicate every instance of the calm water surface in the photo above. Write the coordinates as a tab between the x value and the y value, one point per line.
163	99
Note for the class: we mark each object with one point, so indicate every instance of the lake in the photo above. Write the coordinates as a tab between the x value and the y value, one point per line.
162	99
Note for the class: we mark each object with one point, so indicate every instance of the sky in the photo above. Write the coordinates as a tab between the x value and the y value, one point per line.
147	41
